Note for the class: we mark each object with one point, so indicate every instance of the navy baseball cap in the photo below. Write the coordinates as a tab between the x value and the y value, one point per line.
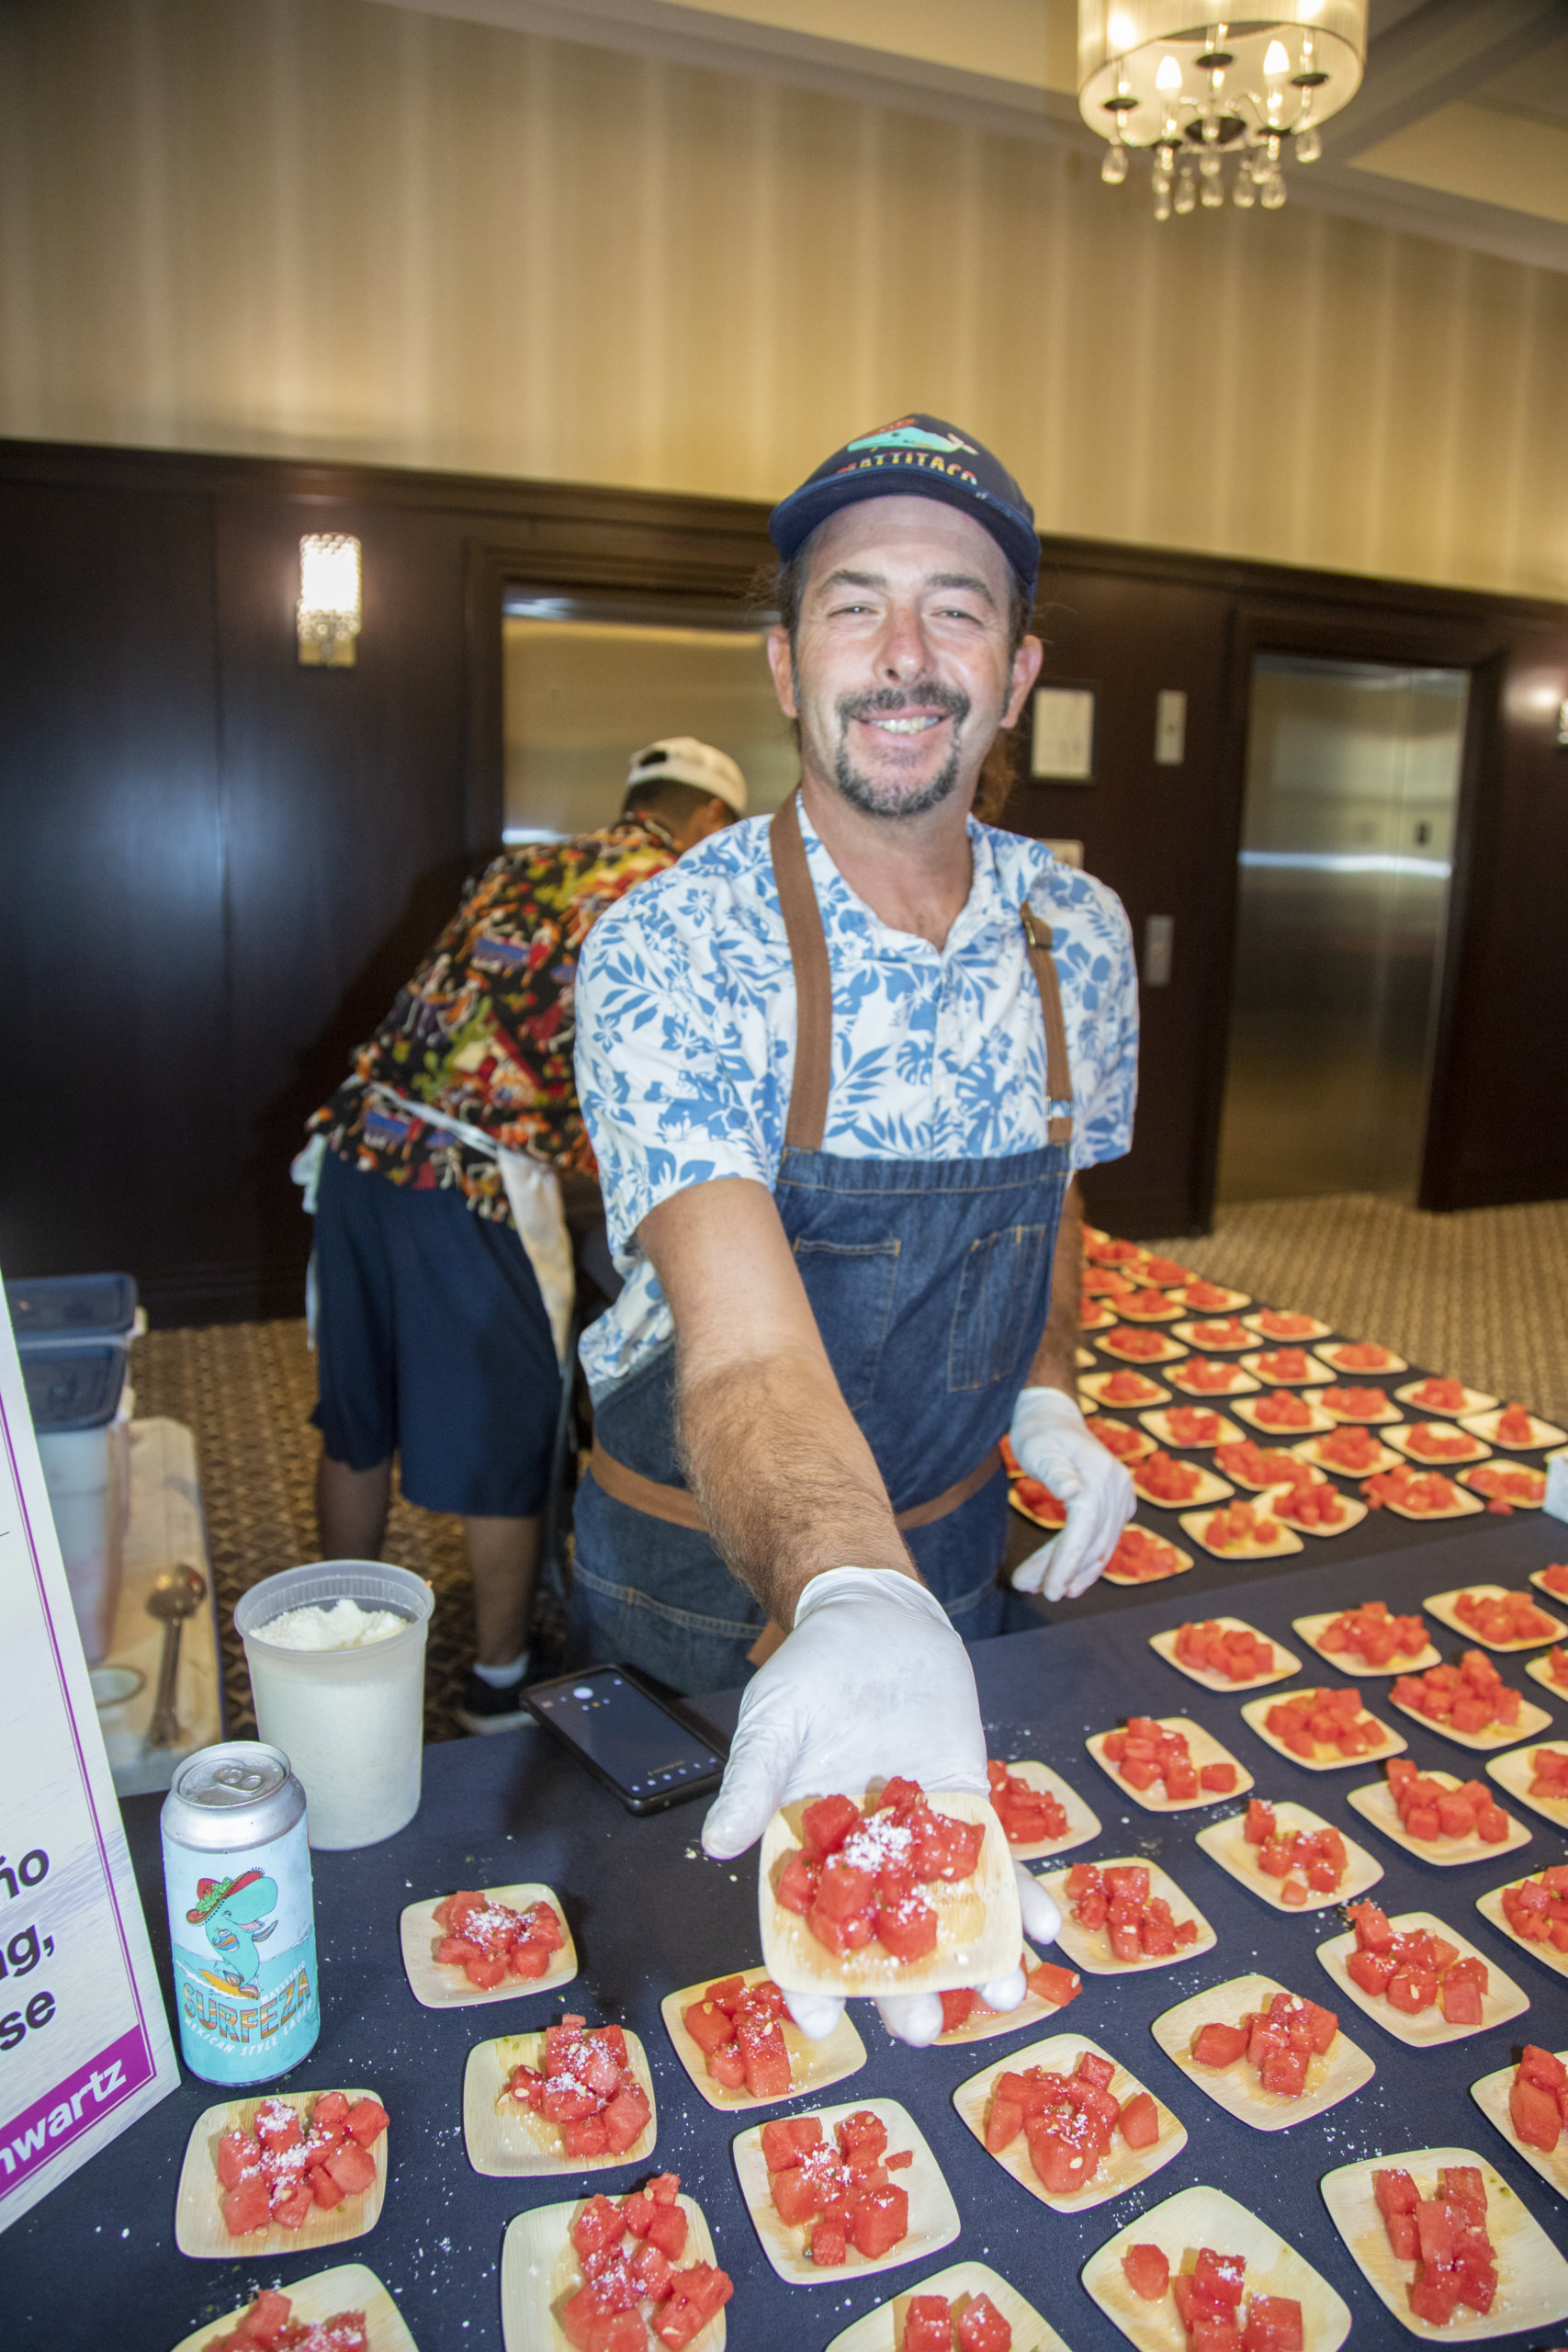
915	454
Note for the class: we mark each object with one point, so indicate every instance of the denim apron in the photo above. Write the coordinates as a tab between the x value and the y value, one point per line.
930	1281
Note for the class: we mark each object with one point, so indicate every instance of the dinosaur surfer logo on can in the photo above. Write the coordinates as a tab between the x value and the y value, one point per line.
241	1919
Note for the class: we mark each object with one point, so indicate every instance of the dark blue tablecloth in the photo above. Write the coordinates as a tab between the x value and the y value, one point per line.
648	1912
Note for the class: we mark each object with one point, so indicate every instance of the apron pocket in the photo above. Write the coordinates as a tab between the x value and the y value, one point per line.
997	1305
850	1288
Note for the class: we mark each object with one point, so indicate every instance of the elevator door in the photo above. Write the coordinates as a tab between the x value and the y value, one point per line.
1352	778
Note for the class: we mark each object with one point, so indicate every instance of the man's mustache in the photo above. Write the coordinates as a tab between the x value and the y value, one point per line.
886	702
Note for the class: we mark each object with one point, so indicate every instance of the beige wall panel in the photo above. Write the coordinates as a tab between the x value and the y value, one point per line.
314	228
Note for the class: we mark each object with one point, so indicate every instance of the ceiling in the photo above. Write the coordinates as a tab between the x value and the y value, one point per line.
1460	129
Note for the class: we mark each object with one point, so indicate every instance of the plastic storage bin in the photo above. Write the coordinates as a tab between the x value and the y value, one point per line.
81	1409
73	1306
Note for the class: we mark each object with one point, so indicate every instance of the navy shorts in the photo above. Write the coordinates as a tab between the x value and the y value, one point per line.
433	1343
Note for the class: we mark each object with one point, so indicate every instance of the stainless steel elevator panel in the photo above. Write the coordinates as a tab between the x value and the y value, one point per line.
1352	779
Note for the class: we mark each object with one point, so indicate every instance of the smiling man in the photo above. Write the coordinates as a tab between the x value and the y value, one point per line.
839	1068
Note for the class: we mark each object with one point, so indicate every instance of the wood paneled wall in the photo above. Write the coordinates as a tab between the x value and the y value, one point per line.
218	867
318	229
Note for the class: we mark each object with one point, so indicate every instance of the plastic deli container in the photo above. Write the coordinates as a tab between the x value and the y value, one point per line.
350	1721
81	1409
52	1307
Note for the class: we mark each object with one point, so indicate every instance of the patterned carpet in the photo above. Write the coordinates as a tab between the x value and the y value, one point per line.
1484	1295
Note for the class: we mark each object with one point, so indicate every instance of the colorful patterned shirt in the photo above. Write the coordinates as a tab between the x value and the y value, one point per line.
686	1036
484	1030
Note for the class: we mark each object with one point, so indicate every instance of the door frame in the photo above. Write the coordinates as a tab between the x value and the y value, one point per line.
1416	641
644	545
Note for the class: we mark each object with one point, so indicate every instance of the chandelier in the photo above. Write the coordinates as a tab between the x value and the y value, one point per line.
1198	96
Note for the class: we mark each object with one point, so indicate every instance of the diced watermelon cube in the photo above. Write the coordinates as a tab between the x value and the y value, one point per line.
981	2327
247	2207
881	2218
1148	2271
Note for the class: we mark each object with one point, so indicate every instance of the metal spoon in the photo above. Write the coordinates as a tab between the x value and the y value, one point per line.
178	1594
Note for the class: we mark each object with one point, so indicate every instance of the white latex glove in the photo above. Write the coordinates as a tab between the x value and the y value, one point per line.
1053	1444
871	1681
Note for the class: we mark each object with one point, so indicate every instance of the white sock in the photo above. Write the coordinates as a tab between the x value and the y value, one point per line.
504	1677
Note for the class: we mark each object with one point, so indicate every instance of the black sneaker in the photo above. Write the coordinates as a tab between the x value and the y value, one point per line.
484	1709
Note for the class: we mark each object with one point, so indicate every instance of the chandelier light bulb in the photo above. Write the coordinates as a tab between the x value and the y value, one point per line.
1187	194
1162	207
1309	144
1113	170
1243	196
1273	192
1168	78
1276	61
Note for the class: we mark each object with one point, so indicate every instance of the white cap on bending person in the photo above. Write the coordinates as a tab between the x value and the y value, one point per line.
680	759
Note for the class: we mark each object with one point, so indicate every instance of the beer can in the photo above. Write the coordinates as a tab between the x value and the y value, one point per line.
242	1920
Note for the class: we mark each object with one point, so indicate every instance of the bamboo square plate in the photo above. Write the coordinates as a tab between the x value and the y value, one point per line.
1529	1720
1323	1759
1386	1414
1193	1332
1285	1664
1166	1312
1276	1480
1082	1822
1463	1506
1539	1671
1374	1802
1203	1748
978	1927
1052	1518
1160	1429
1343	2069
1094	1315
1404	1438
1092	1384
1225	1842
1136	1445
882	2330
1542	1434
1089	1948
540	2271
1490	1907
1280	1328
1261	1360
1115	1343
1237	1382
1350	1661
1311	1451
1121	2168
984	2024
1532	2277
435	1986
1351	1513
1199	2217
1228	1302
1490	2095
933	2216
1254	1412
1475	1401
506	2142
1206	1486
198	2208
1518	1483
1387	1363
1501	2002
349	2287
1194	1522
1515	1773
1179	1564
814	2066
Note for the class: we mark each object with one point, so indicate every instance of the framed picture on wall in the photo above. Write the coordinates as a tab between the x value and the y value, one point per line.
1062	745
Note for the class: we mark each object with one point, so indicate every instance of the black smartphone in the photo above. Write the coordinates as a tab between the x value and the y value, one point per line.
643	1751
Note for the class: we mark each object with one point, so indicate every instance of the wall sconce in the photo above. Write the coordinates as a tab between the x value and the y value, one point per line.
329	601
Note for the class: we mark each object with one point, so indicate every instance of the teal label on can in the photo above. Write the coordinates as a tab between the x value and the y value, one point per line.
243	1932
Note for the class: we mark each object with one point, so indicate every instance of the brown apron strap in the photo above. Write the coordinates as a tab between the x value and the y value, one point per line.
677	1506
813	981
1058	1071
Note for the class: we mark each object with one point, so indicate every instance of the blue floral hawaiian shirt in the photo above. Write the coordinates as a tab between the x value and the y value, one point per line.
685	1035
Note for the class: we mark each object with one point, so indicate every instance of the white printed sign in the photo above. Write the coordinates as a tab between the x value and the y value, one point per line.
83	2043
